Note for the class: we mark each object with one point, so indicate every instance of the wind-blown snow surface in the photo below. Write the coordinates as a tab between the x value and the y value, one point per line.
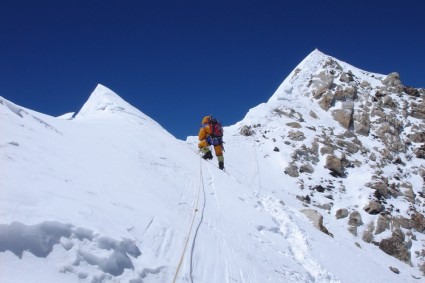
110	196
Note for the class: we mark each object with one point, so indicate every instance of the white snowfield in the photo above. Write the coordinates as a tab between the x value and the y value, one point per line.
110	196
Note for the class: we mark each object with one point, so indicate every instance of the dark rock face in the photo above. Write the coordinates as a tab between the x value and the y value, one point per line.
319	188
411	91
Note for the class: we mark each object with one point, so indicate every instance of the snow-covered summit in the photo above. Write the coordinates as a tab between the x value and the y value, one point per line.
298	82
104	100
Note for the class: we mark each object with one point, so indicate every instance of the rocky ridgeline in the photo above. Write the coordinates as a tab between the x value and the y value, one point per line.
371	110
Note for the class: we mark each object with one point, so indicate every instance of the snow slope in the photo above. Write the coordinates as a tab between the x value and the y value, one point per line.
110	196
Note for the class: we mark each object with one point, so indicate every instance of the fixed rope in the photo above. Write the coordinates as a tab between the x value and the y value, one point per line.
257	168
201	185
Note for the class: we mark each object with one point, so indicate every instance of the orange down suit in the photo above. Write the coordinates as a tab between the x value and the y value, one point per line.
204	132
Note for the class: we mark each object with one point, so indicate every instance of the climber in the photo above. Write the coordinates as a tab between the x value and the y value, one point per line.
211	133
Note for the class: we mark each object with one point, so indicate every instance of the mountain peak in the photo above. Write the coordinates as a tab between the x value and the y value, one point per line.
103	100
299	75
315	67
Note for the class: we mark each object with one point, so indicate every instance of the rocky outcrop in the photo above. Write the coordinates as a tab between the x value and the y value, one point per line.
317	219
361	123
321	83
388	129
368	233
326	100
420	152
411	91
350	147
306	168
345	93
392	79
334	164
296	135
381	129
341	213
294	125
246	131
290	113
417	221
382	224
344	115
313	115
418	110
408	192
401	222
381	188
373	207
396	246
394	269
418	136
346	77
354	220
303	153
292	170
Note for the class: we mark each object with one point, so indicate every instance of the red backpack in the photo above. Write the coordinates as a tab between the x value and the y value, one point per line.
216	128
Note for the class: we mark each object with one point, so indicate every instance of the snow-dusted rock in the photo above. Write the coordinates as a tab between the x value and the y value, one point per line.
373	207
334	164
341	213
317	220
392	79
368	233
354	221
382	224
418	222
396	246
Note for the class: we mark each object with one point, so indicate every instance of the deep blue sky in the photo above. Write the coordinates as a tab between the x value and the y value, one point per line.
177	61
